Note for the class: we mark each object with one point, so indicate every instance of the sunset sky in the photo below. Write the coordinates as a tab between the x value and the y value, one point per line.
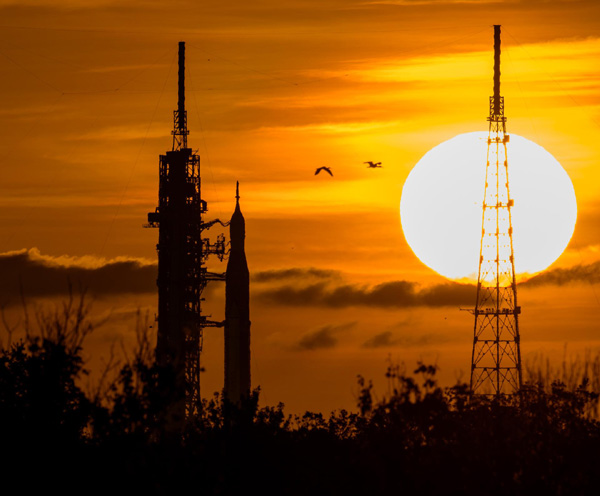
275	90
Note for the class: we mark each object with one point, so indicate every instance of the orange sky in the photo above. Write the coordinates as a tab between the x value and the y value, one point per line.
275	90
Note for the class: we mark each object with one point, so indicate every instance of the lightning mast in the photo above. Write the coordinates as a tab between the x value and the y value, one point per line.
496	357
182	273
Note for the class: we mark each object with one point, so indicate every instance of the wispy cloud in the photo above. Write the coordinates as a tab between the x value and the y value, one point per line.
409	3
122	133
121	68
381	340
73	4
324	337
388	339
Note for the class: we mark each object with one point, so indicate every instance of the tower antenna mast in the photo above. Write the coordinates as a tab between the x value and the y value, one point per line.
496	356
180	131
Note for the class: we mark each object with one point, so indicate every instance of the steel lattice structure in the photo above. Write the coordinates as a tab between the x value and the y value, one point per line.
182	274
496	357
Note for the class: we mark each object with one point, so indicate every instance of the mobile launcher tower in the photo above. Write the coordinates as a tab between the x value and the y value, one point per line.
182	273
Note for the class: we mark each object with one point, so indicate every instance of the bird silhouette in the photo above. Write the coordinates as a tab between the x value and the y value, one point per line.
373	165
326	169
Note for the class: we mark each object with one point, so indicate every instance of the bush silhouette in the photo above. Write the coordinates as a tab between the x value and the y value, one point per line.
418	439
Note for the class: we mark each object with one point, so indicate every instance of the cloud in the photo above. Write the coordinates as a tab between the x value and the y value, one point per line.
433	2
121	133
395	294
44	276
387	339
381	340
71	5
578	273
329	291
324	337
294	273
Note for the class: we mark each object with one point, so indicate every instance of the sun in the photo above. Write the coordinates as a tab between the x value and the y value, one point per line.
441	206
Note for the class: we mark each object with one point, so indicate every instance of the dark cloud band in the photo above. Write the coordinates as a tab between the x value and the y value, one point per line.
41	276
396	294
294	273
579	273
328	292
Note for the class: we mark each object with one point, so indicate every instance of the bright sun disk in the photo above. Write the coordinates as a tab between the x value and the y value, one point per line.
442	198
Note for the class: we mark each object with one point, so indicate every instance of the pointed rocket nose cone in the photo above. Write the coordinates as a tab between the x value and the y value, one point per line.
237	225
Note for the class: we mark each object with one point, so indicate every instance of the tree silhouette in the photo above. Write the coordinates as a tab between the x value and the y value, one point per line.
419	438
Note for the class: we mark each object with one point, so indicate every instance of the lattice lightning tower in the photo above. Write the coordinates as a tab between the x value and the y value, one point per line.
182	274
496	358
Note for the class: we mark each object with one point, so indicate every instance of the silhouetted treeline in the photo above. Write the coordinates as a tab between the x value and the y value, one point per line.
418	439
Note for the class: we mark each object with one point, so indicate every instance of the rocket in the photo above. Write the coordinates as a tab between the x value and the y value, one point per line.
237	312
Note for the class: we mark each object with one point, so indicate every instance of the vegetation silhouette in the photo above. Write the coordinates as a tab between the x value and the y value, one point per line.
417	439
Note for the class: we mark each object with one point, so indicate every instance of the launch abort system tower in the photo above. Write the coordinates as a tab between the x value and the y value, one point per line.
182	274
496	357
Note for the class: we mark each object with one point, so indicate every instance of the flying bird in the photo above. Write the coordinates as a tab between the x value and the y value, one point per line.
373	165
326	169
